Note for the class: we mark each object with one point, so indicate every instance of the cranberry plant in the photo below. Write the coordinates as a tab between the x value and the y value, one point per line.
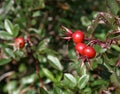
59	47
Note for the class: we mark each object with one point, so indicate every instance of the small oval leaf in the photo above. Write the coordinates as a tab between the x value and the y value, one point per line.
8	26
48	74
10	52
83	70
83	81
55	62
28	79
71	78
42	46
16	30
69	81
5	35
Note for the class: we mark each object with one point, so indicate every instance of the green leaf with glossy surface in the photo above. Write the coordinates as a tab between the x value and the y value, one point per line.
69	81
8	26
42	46
54	61
16	30
59	76
28	79
10	52
71	78
83	81
83	70
5	35
116	47
48	74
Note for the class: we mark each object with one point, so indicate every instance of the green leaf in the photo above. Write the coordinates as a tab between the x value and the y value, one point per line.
88	90
72	54
70	78
3	45
4	61
113	6
48	74
83	81
22	67
43	91
43	45
31	92
85	21
38	31
83	70
59	76
11	86
107	65
20	53
5	35
28	79
41	58
57	90
115	80
116	47
41	3
64	21
55	62
10	52
69	81
98	82
8	26
16	30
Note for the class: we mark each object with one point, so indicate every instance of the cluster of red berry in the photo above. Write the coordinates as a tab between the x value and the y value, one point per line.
81	48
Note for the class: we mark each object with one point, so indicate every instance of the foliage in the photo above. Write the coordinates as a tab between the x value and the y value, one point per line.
47	64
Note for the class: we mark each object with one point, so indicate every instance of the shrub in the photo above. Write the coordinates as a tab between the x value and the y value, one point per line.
44	63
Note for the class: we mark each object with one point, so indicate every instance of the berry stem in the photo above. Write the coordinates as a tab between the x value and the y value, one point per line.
66	38
66	29
89	64
83	61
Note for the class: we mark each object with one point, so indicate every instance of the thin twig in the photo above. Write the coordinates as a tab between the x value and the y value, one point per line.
36	65
37	72
6	75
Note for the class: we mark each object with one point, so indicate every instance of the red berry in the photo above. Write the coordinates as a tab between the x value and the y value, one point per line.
20	42
89	52
78	36
79	47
